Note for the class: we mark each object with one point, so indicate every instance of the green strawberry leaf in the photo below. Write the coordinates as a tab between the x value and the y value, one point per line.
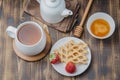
52	56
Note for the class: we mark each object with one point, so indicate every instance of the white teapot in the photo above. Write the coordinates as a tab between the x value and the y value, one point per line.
53	11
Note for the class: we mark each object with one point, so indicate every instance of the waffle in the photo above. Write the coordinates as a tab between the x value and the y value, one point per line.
73	52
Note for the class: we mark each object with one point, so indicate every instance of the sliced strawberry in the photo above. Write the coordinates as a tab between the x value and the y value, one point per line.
54	58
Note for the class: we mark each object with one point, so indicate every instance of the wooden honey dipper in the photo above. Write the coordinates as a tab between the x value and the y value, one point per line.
78	30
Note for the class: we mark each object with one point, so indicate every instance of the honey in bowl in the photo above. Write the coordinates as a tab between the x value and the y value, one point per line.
100	27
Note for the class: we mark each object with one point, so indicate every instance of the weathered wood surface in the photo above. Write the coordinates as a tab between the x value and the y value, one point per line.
105	53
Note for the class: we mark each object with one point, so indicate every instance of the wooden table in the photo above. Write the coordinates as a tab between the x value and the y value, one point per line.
105	53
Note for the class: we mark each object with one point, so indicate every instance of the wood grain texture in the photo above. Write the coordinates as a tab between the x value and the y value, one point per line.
105	53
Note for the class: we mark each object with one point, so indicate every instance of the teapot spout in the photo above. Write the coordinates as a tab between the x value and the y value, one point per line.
38	1
66	13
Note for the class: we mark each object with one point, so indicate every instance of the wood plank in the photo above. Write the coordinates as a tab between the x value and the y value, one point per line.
115	12
9	70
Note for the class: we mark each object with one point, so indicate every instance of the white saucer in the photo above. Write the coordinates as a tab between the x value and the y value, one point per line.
60	68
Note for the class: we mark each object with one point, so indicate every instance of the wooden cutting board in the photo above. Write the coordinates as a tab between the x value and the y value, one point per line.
66	25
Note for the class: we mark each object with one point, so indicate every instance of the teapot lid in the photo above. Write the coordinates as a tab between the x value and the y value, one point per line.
52	3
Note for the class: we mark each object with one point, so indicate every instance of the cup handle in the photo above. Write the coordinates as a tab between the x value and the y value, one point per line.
11	31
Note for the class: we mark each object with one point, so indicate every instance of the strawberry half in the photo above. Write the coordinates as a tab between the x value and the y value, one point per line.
54	58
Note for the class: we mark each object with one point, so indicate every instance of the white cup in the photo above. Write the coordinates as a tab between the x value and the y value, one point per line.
101	15
29	50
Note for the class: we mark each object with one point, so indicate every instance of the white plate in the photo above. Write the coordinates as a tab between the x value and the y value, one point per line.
60	68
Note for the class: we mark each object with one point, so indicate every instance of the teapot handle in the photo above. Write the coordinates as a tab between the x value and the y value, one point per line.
38	1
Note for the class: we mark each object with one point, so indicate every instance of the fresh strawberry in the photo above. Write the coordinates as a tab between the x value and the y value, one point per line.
70	67
54	58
